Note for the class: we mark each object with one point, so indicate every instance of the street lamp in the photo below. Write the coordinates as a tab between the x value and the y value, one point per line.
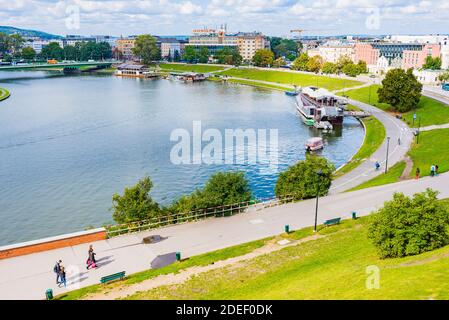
319	174
386	160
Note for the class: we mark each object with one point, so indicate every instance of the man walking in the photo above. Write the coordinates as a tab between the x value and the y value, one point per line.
57	270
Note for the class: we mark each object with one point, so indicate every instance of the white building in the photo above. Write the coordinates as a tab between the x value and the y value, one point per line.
430	39
445	54
169	47
428	76
332	51
37	45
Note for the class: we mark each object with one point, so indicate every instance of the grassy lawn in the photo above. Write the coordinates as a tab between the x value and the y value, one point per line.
189	67
291	78
3	94
252	83
429	110
433	148
374	136
331	267
393	175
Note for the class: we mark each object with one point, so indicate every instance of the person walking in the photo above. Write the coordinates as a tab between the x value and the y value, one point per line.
57	270
62	275
91	261
432	170
377	165
399	141
436	169
418	172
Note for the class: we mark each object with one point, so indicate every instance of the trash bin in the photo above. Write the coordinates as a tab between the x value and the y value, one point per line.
287	228
354	215
49	294
178	256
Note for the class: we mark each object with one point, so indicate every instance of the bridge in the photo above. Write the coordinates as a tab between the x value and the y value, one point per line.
62	65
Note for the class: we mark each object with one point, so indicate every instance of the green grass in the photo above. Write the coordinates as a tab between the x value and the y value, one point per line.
433	148
332	267
374	136
430	111
252	83
290	78
189	67
4	94
392	176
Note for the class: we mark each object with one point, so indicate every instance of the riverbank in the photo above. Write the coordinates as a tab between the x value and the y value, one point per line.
4	94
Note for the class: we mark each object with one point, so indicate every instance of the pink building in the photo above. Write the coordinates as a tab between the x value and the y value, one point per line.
366	52
416	59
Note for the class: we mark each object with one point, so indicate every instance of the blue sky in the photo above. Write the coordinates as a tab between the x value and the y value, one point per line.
272	17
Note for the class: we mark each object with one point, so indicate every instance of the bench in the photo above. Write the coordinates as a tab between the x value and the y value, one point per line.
331	222
112	277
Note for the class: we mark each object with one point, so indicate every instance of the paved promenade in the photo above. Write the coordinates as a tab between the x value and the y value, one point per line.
27	277
395	129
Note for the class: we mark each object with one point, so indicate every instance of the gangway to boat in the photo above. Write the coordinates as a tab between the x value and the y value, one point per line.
357	114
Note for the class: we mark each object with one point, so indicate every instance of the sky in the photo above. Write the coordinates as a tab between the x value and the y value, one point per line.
272	17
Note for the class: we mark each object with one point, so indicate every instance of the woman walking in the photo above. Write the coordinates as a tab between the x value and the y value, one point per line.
62	276
91	262
418	172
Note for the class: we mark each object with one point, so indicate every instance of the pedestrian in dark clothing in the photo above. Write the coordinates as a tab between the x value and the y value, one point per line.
432	170
63	276
377	165
57	270
418	172
91	261
436	169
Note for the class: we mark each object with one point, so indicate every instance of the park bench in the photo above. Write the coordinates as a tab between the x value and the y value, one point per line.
331	222
112	277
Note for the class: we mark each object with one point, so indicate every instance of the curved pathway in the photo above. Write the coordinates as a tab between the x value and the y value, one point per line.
395	129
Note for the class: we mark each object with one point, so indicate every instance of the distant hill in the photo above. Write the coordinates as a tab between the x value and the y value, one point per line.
28	33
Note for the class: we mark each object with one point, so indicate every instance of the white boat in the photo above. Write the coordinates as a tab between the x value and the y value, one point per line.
314	144
324	125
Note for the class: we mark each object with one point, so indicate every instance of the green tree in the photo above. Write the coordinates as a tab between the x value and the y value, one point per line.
52	51
228	56
279	62
5	43
342	62
351	69
300	63
135	204
16	42
301	180
145	48
401	90
263	58
314	64
190	54
222	188
432	63
363	68
28	53
329	68
203	55
71	53
408	226
176	56
444	76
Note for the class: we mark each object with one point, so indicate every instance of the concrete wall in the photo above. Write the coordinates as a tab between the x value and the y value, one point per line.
51	243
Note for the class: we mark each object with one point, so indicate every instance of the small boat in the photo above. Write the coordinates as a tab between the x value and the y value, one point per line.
324	125
314	144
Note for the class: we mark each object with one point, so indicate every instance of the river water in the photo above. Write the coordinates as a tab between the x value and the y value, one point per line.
67	143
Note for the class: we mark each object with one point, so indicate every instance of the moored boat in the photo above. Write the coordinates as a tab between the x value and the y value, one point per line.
315	143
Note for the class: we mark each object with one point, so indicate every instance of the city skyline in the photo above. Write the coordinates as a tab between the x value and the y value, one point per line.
274	18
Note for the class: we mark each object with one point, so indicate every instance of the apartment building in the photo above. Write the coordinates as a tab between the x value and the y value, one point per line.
331	52
125	46
247	43
169	47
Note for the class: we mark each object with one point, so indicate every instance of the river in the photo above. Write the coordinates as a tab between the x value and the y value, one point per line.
67	143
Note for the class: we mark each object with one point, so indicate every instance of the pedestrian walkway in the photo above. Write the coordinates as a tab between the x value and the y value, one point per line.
434	127
395	129
29	276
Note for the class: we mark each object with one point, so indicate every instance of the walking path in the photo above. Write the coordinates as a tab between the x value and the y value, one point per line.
395	129
27	277
434	127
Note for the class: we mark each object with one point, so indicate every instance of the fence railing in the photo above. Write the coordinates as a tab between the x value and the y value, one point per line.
180	218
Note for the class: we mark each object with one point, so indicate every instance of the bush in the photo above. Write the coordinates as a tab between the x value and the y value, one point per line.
408	226
300	180
222	188
136	203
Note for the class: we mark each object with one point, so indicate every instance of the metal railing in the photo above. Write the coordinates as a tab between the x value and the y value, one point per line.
200	214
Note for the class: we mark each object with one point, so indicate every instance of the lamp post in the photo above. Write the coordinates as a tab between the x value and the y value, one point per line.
319	173
386	160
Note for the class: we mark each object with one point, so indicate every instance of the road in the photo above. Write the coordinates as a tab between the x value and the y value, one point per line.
27	277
